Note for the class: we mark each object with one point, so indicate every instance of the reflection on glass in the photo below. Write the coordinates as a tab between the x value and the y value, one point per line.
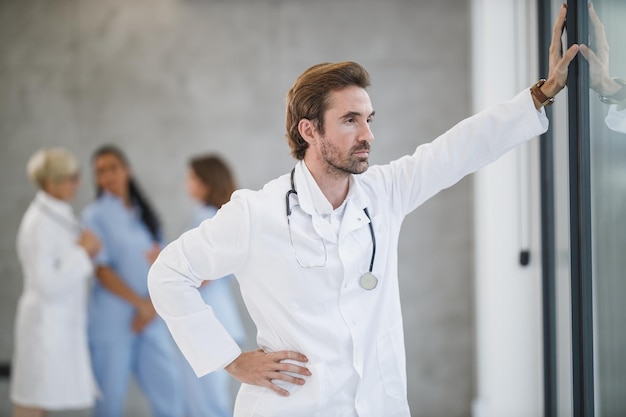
611	90
606	57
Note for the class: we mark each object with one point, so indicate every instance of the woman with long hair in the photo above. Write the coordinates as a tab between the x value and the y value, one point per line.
126	336
210	183
51	320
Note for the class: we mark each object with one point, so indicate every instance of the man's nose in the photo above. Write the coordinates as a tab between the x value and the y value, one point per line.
366	133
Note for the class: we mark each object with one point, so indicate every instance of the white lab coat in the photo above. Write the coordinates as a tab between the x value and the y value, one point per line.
353	337
51	364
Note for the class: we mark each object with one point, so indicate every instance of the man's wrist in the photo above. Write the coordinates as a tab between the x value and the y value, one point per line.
608	87
617	92
550	89
540	98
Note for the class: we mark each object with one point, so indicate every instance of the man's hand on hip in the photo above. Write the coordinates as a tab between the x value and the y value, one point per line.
260	368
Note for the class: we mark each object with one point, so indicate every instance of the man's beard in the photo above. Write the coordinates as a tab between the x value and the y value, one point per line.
348	164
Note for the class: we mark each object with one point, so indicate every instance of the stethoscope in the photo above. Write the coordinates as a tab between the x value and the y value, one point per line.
368	280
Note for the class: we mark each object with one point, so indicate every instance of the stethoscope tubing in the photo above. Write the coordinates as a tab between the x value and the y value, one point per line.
365	210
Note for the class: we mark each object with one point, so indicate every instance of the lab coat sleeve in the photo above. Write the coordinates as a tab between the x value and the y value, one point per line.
57	269
216	248
91	221
616	119
468	146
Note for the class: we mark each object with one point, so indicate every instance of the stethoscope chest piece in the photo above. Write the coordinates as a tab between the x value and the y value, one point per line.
368	281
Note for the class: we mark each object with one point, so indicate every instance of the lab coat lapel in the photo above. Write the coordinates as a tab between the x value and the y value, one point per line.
354	217
306	203
58	211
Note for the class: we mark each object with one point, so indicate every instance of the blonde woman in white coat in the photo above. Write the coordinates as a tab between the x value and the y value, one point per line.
51	364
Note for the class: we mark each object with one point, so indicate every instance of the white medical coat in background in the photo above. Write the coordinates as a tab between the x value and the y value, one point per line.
51	363
353	337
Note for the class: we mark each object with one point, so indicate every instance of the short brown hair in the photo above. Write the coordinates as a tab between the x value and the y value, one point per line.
308	97
215	174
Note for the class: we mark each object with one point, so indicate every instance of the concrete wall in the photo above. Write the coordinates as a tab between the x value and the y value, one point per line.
166	79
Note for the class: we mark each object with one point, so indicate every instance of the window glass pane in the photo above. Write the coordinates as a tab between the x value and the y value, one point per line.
563	304
562	262
606	58
563	300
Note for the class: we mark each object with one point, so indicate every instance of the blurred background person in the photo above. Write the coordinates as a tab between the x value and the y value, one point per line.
51	365
210	183
125	335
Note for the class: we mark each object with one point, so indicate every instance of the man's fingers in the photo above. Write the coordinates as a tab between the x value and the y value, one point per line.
595	20
280	376
286	377
601	43
289	354
569	55
594	62
295	369
284	362
588	54
561	67
262	369
559	26
278	390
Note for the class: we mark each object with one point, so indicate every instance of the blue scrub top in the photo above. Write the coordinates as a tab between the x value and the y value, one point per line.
125	243
202	213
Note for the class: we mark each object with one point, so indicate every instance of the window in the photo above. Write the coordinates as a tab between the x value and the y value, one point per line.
583	199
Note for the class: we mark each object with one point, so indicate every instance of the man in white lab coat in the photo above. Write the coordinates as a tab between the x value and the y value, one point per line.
315	251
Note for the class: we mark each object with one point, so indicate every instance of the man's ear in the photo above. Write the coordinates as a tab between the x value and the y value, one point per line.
307	130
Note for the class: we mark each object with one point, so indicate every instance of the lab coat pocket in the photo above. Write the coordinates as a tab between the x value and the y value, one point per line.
308	244
391	361
303	401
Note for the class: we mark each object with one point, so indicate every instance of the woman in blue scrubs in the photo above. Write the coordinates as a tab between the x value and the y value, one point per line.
210	184
126	336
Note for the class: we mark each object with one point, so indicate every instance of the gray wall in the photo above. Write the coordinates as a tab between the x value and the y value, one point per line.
166	79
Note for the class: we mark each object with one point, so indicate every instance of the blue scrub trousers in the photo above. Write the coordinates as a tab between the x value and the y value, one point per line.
150	356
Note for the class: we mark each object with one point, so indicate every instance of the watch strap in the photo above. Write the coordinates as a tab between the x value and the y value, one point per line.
535	90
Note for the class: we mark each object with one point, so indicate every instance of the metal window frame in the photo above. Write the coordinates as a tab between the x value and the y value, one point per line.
580	223
548	232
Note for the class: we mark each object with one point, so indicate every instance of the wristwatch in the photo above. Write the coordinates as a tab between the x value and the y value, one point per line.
535	90
619	96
